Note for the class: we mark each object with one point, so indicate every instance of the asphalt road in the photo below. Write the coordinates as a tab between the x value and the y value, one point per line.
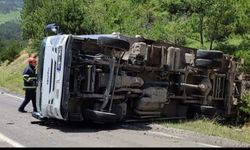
22	130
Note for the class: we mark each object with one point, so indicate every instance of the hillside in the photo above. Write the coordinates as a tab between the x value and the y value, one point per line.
10	10
12	16
7	6
11	72
10	27
11	75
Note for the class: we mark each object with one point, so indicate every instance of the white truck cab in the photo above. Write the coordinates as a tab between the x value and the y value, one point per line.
50	72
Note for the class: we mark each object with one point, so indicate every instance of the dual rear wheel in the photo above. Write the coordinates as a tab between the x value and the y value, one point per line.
208	59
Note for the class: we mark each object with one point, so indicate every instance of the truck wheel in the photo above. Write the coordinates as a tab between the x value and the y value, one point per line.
113	43
209	54
192	112
207	63
196	111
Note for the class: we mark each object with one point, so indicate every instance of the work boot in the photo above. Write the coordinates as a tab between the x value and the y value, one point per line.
22	111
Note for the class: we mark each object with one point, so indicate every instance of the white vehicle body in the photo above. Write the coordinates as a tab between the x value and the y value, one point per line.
49	100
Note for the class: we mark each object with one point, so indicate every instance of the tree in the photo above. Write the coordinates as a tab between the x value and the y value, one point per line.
68	14
166	20
221	19
243	17
31	18
200	8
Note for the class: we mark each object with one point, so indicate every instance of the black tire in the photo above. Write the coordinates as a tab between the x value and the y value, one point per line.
208	110
209	54
192	112
207	63
196	111
113	43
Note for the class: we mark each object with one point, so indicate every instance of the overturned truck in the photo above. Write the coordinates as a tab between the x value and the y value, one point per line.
112	78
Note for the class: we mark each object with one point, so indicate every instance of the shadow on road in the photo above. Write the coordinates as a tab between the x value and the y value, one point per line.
90	127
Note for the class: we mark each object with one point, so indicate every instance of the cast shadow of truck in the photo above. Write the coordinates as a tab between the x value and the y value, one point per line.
77	127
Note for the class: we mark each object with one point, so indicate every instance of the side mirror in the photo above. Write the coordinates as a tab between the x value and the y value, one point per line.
51	29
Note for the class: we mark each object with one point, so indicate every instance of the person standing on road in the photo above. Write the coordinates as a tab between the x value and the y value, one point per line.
29	78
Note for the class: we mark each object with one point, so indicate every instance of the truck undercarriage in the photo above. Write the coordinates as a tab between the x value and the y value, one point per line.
115	79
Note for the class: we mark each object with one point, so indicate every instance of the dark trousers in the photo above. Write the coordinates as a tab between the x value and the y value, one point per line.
29	95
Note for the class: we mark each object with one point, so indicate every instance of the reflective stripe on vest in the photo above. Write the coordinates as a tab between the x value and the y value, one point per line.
27	78
33	78
25	75
29	87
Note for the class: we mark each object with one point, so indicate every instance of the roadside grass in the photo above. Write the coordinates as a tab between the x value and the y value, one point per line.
11	74
10	16
212	128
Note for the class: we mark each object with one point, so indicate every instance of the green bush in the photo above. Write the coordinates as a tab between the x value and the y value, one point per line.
35	45
245	54
226	47
10	49
245	44
244	108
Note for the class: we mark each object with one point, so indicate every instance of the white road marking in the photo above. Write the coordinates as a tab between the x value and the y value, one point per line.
13	96
209	145
10	141
177	137
164	134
